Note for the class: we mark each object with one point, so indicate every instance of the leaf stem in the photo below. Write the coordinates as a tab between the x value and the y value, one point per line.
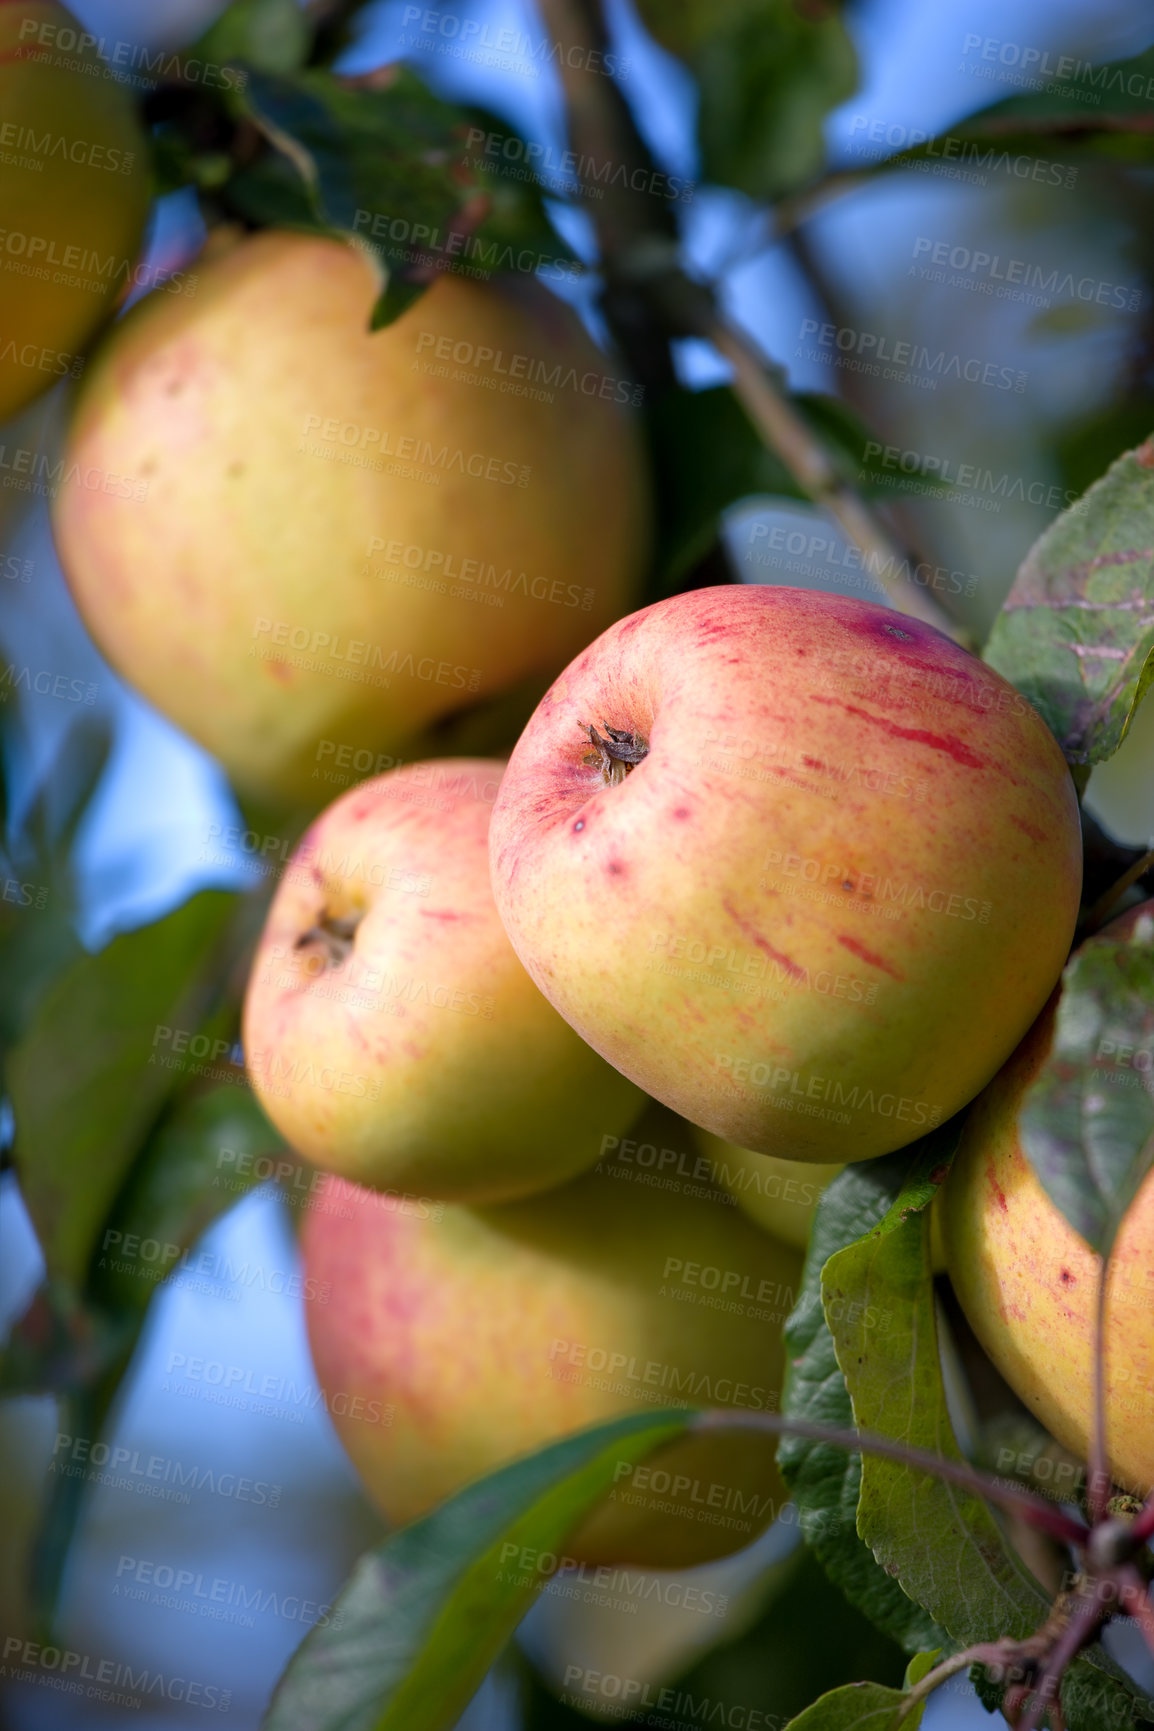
1098	1494
1031	1508
983	1653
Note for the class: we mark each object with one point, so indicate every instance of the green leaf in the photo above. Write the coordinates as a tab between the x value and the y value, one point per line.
768	72
384	159
191	1171
1087	1122
423	1616
87	1080
858	1707
940	1543
1061	118
268	35
825	1480
1076	634
38	900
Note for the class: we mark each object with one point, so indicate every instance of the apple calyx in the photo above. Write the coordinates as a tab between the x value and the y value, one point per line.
615	752
336	932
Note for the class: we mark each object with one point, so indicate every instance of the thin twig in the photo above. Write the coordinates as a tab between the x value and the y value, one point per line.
1085	1616
1032	1508
784	431
1095	915
647	293
1143	1527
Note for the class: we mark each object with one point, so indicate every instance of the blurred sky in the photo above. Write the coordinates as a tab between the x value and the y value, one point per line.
151	829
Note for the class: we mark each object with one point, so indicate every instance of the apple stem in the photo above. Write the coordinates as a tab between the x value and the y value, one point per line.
335	932
615	753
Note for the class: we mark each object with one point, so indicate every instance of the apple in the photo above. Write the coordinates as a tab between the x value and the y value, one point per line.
451	1340
75	178
782	1195
390	1032
766	850
343	539
1029	1283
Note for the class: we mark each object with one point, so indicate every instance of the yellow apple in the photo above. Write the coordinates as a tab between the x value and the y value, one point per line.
451	1340
348	539
782	1195
1029	1283
390	1032
75	189
766	850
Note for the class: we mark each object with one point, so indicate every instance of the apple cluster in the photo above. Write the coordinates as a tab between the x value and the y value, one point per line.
641	934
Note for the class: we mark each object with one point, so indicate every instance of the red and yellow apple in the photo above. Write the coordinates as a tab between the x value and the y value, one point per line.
481	1334
75	182
766	850
1029	1283
390	1032
347	541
